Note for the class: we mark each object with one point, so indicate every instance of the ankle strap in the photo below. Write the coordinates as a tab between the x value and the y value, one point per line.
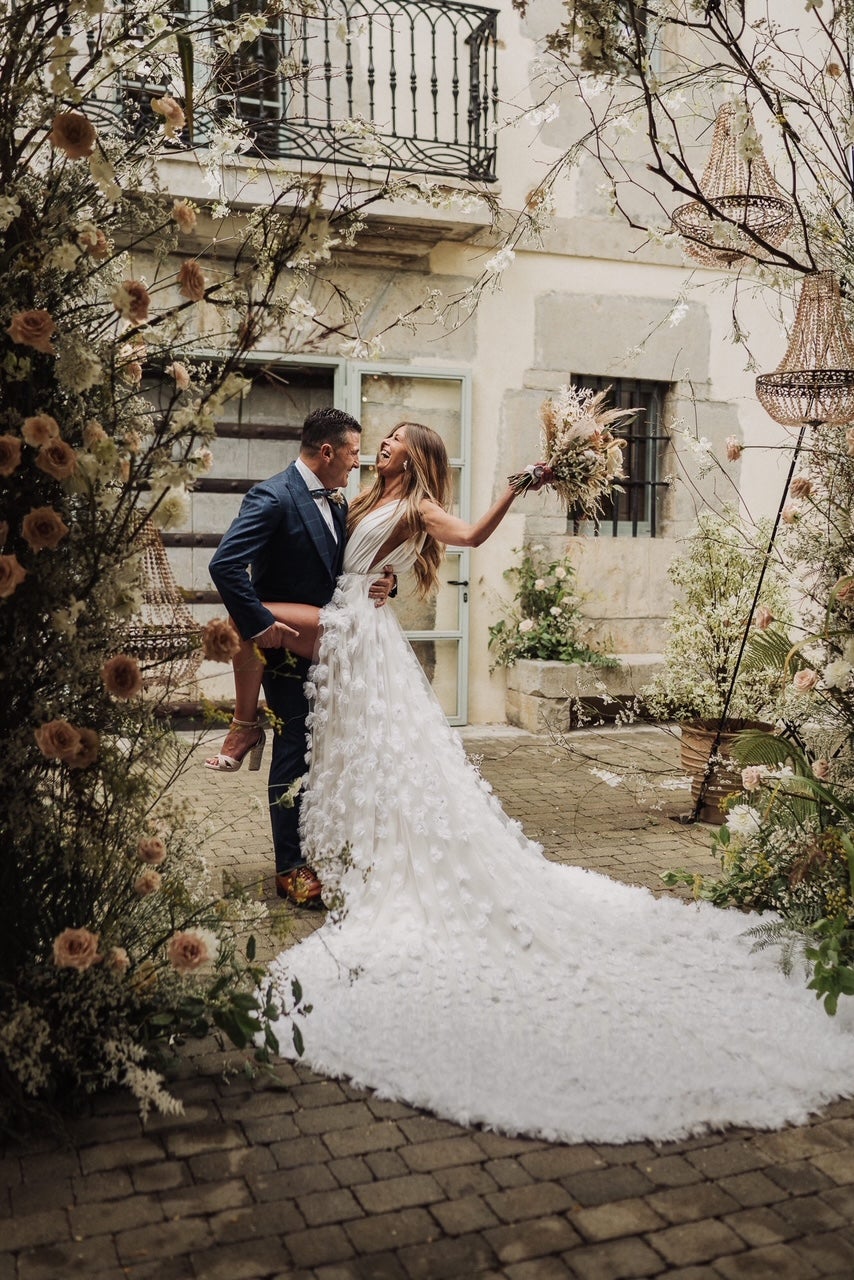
244	724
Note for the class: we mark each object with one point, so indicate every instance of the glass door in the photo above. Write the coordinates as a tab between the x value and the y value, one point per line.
437	628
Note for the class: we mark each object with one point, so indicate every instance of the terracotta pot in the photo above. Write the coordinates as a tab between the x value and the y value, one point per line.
698	738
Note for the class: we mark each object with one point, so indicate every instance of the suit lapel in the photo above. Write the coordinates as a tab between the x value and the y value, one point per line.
315	525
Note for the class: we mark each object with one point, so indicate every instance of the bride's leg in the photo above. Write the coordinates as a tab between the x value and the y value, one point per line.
304	619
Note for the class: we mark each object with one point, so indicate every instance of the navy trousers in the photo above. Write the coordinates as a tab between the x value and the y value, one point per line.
283	680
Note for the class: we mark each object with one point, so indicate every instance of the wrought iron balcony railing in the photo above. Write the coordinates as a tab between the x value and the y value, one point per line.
418	78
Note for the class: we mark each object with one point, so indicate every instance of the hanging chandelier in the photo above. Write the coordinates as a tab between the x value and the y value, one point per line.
743	196
814	382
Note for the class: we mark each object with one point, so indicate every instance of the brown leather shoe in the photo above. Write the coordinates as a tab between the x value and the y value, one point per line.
301	887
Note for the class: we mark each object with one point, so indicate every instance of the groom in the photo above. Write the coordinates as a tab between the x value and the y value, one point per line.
291	531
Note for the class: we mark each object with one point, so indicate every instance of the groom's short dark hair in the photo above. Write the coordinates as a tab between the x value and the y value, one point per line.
327	426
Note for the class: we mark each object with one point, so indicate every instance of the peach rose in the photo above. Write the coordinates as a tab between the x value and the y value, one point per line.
33	329
804	680
58	459
73	134
171	112
93	241
43	529
751	776
151	849
132	301
12	574
93	434
763	618
118	959
844	590
39	429
192	949
76	949
220	641
192	281
184	213
147	882
734	448
132	372
790	514
87	753
821	769
801	487
10	455
121	676
180	373
58	740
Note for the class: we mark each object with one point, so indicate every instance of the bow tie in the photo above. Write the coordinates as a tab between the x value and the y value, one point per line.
334	495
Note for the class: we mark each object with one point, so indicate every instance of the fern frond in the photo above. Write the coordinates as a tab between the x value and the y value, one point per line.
772	650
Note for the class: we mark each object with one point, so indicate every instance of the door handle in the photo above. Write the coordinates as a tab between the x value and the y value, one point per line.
455	582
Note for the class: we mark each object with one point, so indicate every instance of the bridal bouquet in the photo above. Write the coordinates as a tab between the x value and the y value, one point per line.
583	459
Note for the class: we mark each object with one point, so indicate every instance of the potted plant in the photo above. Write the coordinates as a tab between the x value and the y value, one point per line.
542	636
698	684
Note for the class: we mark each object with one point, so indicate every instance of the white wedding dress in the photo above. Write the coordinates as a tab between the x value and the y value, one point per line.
461	971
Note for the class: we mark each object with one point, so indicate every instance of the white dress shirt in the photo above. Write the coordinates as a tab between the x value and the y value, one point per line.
323	506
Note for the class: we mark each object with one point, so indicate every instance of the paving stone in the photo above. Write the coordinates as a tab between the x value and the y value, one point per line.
616	1260
842	1200
798	1144
320	1093
348	1170
729	1157
539	1269
838	1165
427	1129
134	1211
119	1155
396	1230
456	1217
78	1257
328	1206
447	1259
760	1226
827	1251
688	1204
270	1129
798	1177
46	1227
557	1162
508	1172
627	1153
322	1244
465	1180
33	1197
203	1138
601	1185
497	1146
398	1193
810	1213
170	1240
696	1242
207	1197
384	1109
619	1218
286	1183
386	1164
533	1239
249	1260
221	1165
105	1186
265	1103
272	1219
751	1188
670	1171
538	1200
774	1263
442	1153
52	1168
326	1120
381	1135
299	1151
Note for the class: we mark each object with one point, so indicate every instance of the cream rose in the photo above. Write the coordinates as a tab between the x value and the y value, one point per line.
763	618
220	641
132	301
87	753
121	676
12	574
57	459
184	213
10	455
752	775
43	529
147	882
58	740
76	949
73	134
804	680
171	112
33	329
192	281
151	850
118	959
93	241
821	769
93	434
180	373
39	429
192	950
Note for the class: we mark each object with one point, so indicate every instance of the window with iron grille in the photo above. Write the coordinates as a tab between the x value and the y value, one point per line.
635	512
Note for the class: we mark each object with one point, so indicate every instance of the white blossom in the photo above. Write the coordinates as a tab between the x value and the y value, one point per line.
744	820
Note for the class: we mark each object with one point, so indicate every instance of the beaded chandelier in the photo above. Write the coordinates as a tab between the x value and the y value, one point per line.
743	195
164	636
814	382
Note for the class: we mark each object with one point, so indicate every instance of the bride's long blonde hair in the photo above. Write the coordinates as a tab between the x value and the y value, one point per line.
427	476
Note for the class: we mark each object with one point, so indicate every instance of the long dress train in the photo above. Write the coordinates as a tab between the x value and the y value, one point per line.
461	971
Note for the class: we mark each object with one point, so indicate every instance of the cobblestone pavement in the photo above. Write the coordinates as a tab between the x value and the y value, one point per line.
296	1177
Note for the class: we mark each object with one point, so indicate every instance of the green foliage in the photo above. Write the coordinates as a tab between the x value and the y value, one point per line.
545	620
716	579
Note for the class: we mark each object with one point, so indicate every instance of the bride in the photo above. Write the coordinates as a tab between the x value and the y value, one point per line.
461	971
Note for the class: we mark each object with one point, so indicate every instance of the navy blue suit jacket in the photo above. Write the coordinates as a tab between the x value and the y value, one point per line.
278	547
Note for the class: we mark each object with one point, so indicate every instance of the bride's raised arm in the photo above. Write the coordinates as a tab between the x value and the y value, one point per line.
444	527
